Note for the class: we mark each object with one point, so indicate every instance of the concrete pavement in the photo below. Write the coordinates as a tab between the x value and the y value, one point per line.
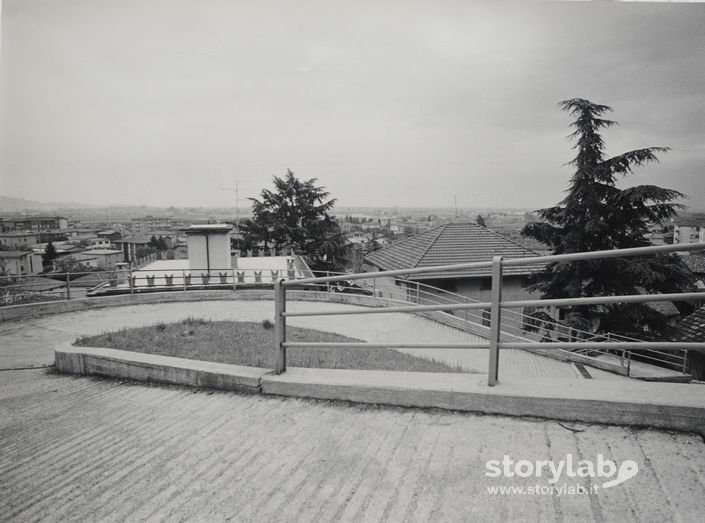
85	449
81	449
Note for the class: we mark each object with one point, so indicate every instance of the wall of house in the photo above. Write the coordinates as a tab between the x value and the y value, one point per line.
29	264
475	289
109	261
19	242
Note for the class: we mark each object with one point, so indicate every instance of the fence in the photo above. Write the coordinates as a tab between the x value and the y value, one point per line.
496	307
17	290
515	326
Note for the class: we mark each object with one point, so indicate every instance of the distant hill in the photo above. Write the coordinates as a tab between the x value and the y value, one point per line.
8	203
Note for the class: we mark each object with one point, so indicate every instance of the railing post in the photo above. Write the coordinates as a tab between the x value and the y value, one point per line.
132	283
685	361
495	313
68	286
279	326
418	292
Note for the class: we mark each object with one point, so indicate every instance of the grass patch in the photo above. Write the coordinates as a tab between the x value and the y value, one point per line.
248	343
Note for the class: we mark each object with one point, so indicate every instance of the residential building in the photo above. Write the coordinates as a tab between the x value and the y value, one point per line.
18	240
129	245
690	233
110	235
105	258
20	263
150	224
33	223
456	243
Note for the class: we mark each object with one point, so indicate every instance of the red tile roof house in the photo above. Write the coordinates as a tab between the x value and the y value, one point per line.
455	243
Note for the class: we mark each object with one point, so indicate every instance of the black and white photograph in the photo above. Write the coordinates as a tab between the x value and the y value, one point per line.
373	261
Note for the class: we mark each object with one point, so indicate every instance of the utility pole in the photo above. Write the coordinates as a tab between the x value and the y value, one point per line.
237	210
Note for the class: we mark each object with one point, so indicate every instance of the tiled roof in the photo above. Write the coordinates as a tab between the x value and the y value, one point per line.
448	244
695	262
691	328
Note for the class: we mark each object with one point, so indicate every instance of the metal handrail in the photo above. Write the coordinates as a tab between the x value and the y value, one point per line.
417	292
496	305
517	262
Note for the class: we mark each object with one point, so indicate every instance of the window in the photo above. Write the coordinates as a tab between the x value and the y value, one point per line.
486	317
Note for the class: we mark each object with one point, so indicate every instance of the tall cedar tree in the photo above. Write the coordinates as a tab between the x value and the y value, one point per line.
597	215
296	215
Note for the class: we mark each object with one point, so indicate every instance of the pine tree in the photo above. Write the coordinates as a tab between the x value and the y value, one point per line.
597	215
49	256
296	214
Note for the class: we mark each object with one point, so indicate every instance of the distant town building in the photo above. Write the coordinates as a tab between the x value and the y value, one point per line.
19	240
104	258
129	245
150	224
33	223
110	235
688	234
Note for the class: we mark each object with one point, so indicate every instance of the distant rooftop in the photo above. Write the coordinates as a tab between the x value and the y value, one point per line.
14	254
20	233
102	251
448	244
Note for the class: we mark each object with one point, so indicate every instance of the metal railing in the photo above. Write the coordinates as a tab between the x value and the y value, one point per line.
53	286
496	306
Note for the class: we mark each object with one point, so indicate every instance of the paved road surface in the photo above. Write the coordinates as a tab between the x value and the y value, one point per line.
83	449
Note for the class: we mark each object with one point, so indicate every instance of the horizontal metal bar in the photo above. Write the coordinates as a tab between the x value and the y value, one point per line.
397	272
385	310
631	345
599	300
615	253
644	345
363	345
513	262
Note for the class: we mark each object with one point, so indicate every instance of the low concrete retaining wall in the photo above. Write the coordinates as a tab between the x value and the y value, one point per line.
33	310
152	368
666	406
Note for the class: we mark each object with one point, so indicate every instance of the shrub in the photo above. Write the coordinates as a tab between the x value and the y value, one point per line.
195	321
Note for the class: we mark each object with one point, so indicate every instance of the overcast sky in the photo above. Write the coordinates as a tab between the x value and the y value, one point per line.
167	102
